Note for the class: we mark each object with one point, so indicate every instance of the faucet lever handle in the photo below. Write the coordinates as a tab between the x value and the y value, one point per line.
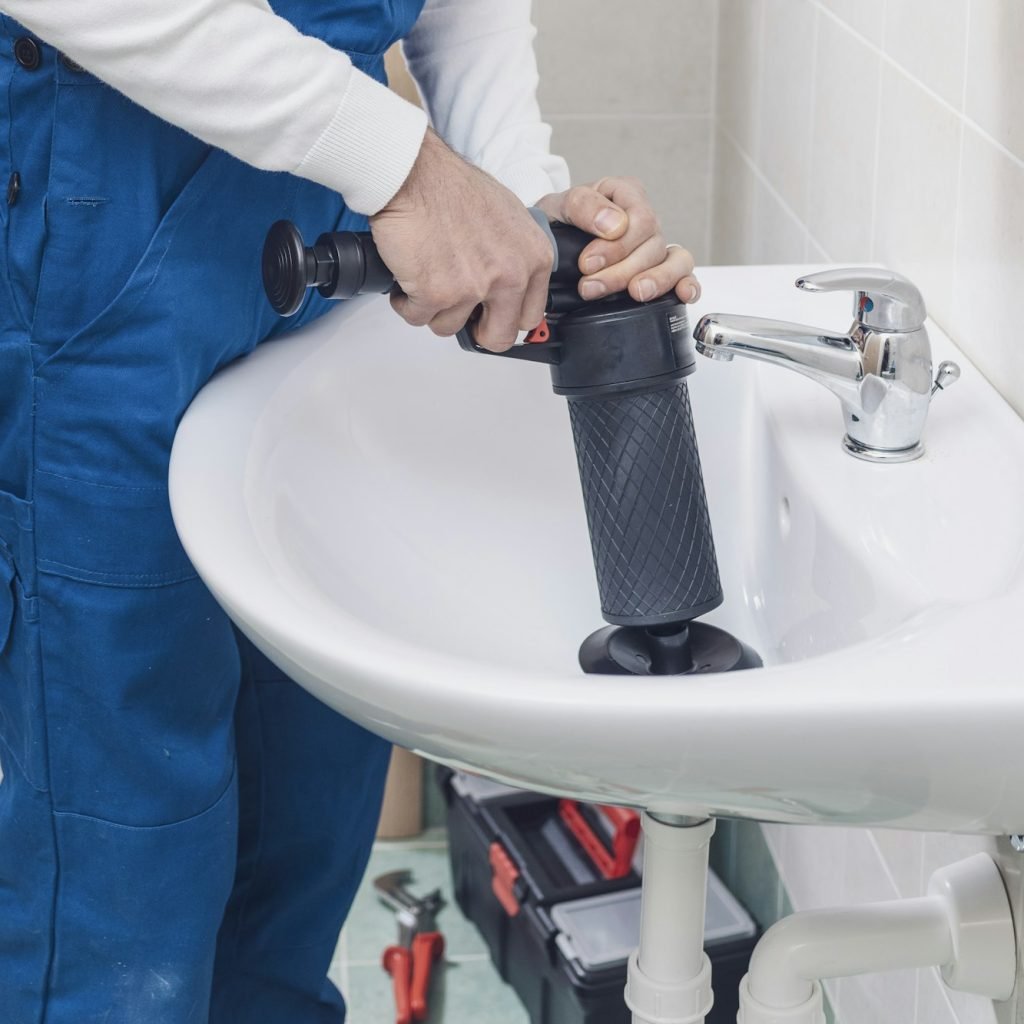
948	375
883	300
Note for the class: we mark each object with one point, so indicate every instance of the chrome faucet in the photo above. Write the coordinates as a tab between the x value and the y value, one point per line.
881	370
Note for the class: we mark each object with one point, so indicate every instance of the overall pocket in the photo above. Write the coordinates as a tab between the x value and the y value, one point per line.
141	684
118	180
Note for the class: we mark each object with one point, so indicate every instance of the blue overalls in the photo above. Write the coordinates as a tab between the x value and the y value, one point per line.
181	828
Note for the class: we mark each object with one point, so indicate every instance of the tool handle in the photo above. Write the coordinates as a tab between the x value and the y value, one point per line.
647	511
614	863
398	963
342	264
426	948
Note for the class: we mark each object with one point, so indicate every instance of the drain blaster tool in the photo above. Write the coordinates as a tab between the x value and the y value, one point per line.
622	366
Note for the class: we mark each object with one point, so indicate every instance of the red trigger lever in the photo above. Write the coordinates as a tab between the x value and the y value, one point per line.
540	333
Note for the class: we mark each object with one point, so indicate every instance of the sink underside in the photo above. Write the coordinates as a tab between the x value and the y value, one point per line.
400	526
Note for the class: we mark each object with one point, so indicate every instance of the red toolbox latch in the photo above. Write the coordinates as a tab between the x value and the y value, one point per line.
504	875
625	835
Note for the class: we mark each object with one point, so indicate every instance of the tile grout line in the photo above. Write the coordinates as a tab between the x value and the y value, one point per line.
763	179
757	133
893	63
389	847
343	942
709	218
815	56
762	20
876	174
627	116
886	870
455	958
958	216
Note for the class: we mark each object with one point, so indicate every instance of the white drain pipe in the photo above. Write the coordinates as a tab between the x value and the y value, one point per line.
669	977
963	925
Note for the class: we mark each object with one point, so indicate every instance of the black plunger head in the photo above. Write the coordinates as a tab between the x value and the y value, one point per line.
340	265
685	649
286	268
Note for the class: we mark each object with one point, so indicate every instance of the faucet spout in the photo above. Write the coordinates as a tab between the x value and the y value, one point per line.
831	359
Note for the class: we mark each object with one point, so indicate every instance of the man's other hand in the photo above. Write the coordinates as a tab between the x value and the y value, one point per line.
456	239
630	251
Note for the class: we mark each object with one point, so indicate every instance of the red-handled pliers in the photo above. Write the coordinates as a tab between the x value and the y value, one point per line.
410	974
411	961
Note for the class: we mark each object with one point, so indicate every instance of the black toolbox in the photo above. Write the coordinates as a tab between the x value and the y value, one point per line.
558	931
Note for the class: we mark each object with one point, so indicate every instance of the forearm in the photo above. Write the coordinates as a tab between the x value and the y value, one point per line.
474	62
239	77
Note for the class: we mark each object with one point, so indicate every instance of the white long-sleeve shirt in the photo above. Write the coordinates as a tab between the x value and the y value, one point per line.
284	101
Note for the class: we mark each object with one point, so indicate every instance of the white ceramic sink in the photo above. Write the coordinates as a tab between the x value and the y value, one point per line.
399	525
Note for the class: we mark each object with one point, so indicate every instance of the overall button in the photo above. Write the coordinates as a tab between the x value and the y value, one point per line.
26	53
71	65
13	188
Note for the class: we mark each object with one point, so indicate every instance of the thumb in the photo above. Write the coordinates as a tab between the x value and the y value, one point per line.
586	208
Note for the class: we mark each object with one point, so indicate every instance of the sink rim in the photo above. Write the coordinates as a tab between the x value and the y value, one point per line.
341	643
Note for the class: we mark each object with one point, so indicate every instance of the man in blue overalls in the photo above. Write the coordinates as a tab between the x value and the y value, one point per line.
182	829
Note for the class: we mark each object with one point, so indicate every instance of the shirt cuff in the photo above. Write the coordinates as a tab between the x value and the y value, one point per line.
528	182
367	150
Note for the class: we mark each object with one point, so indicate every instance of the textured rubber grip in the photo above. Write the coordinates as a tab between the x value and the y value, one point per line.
646	508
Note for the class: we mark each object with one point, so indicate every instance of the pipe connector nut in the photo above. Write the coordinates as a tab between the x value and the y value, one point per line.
981	926
754	1012
654	1002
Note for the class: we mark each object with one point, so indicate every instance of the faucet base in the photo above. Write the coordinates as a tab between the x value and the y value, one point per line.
881	455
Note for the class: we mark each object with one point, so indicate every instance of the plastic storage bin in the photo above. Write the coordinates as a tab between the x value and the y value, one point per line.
558	931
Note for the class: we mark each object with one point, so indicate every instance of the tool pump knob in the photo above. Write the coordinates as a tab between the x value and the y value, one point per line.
340	265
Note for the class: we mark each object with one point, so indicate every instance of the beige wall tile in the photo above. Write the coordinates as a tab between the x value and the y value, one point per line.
814	863
786	94
989	267
732	207
865	878
863	16
670	155
739	55
971	1009
933	1006
776	235
888	998
607	57
995	70
814	253
942	848
902	853
841	193
959	234
927	38
918	172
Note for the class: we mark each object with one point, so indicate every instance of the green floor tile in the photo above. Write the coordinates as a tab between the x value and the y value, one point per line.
371	926
461	992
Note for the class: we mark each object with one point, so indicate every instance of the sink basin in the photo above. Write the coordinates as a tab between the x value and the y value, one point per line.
399	525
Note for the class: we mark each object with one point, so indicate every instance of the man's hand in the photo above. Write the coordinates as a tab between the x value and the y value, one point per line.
455	239
630	251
